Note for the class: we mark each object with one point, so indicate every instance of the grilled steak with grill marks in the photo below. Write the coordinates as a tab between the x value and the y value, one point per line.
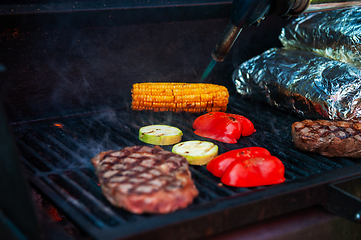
328	138
144	179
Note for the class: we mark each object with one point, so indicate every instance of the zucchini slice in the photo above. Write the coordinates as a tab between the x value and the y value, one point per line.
196	152
160	134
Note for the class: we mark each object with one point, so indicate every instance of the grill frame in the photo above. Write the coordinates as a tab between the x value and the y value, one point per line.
27	30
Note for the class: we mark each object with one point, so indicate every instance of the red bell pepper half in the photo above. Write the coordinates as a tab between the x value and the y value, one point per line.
218	165
223	127
247	167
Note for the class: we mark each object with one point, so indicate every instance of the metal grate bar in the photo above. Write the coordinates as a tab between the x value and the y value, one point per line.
33	158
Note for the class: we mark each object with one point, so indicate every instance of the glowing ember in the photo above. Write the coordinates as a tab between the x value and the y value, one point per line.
54	214
62	127
59	125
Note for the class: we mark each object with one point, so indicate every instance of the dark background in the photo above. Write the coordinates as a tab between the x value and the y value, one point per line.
64	58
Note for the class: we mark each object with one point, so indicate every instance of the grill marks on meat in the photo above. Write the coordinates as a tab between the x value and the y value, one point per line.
328	138
143	179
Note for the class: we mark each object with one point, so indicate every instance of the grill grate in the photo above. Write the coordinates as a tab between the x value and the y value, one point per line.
57	154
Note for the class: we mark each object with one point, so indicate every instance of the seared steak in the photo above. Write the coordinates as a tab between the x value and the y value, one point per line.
328	138
144	179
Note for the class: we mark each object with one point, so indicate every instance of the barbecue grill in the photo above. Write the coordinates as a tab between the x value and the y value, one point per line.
67	70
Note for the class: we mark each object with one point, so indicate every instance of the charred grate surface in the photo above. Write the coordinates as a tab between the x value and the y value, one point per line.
57	155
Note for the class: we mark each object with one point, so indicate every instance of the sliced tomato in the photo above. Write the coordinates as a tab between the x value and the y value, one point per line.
253	172
223	127
218	165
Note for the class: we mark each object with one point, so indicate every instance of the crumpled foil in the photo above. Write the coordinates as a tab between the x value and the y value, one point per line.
302	82
335	34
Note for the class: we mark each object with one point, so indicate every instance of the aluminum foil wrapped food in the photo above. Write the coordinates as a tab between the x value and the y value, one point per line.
335	34
302	82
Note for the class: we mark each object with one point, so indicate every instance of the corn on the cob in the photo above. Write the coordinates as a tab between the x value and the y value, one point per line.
179	97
